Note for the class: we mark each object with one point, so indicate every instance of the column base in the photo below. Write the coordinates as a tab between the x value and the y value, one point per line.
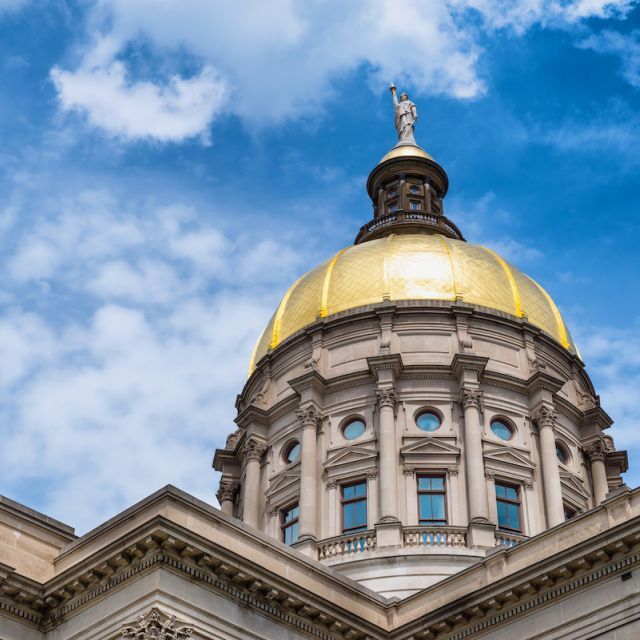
481	533
307	545
389	534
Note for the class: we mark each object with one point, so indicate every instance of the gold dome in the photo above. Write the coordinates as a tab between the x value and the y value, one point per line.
406	150
411	267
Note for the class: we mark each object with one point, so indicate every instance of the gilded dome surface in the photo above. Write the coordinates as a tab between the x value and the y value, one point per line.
411	267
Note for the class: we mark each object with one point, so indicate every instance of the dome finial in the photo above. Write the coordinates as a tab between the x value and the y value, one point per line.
406	115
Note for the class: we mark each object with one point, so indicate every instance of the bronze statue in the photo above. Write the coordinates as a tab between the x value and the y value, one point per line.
406	115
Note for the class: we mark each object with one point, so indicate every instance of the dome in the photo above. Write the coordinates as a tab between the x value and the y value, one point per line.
411	267
406	151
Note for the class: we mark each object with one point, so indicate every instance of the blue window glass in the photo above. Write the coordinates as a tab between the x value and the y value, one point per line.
560	452
293	452
354	429
354	507
428	421
289	520
414	189
508	506
415	205
501	430
431	500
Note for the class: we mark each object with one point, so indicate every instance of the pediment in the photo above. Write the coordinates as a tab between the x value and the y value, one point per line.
349	455
508	457
573	483
429	447
284	480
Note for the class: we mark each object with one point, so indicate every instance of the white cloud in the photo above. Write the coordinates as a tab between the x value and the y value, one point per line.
624	46
178	109
121	377
279	60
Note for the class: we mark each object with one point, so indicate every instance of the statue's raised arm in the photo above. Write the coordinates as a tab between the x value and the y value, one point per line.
406	115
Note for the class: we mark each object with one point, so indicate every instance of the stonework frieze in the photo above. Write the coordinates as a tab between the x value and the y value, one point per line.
156	626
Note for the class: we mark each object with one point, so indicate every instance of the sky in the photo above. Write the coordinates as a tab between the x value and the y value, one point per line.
169	167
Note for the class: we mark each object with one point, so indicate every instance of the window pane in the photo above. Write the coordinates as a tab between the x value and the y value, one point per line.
501	430
514	516
354	430
424	483
425	507
361	489
503	520
361	513
512	493
501	490
348	492
293	453
294	532
437	503
437	483
348	518
428	421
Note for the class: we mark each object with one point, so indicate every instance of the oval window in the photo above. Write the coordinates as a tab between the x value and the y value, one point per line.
501	430
414	189
562	454
353	429
292	452
428	421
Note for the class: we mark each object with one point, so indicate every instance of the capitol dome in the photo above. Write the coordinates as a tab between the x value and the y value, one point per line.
412	266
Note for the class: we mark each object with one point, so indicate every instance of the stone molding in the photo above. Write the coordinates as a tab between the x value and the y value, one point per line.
254	449
309	416
470	398
386	398
155	625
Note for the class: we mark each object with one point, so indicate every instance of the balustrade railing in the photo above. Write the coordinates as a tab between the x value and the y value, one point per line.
506	539
347	545
435	537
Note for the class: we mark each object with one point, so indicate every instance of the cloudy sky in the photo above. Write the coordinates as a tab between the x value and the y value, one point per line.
168	167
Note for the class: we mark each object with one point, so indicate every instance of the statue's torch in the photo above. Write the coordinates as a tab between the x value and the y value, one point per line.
392	88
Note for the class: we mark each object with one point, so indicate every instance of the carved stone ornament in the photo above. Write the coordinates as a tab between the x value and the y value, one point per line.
227	492
232	440
490	475
545	417
453	471
254	449
528	485
309	416
470	398
156	626
386	398
596	450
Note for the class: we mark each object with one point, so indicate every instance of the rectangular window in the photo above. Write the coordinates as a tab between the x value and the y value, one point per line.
508	503
569	512
431	500
415	205
393	206
354	507
289	524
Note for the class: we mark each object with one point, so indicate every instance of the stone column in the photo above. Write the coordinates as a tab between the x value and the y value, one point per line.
309	421
388	464
226	496
253	451
473	456
596	453
545	418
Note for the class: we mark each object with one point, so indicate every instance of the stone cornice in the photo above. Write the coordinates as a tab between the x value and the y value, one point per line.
252	415
35	520
541	381
596	416
465	362
391	362
311	380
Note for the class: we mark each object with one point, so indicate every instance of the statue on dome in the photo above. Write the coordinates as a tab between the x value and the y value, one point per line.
406	115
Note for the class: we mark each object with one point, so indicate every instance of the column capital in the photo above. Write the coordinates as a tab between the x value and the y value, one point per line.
227	491
386	397
470	398
545	416
309	416
596	450
254	449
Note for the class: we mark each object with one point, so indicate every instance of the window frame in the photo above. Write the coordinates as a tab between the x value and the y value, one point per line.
442	492
346	501
287	525
517	502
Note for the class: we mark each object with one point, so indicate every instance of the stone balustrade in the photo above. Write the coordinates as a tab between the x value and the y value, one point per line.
508	539
435	537
347	545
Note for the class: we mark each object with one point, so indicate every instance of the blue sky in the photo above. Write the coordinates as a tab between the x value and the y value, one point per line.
168	168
